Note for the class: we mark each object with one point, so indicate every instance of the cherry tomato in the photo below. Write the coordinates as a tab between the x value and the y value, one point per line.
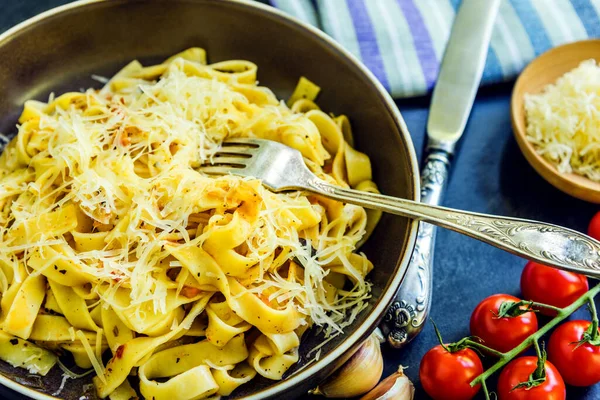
518	370
594	227
579	366
502	334
551	286
446	375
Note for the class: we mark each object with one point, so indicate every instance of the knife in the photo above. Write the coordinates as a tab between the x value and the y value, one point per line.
451	103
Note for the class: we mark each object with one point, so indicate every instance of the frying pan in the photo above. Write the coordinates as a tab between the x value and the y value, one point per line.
59	50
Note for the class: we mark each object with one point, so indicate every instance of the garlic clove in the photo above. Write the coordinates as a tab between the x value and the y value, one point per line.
358	375
397	386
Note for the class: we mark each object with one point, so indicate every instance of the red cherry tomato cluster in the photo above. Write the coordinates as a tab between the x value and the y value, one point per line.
502	322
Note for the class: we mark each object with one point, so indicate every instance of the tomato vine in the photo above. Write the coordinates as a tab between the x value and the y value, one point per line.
592	336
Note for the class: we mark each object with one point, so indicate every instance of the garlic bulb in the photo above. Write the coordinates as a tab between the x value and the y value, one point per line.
358	375
397	386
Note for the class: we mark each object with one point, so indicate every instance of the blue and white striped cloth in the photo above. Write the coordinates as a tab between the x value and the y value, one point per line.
402	41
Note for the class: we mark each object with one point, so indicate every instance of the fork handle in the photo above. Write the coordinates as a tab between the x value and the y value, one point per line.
537	241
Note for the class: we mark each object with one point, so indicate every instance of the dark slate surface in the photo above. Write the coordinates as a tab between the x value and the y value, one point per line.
489	175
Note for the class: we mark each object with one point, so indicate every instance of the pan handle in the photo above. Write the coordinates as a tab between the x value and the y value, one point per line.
408	312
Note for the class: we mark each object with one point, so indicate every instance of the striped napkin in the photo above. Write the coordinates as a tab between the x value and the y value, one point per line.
402	41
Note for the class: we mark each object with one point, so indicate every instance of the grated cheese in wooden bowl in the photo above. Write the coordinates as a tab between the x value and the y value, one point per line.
563	121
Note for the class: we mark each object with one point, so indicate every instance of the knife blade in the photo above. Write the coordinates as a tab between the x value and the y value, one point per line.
461	70
452	100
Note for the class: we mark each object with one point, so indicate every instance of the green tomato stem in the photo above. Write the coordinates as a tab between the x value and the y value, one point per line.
594	314
485	390
546	306
538	352
563	313
483	348
439	336
540	371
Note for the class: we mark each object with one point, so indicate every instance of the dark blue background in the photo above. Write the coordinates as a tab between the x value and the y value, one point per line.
489	175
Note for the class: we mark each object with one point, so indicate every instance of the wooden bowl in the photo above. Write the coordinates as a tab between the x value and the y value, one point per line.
546	69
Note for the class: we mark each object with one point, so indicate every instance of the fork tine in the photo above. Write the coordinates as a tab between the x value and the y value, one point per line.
239	150
243	141
214	170
234	161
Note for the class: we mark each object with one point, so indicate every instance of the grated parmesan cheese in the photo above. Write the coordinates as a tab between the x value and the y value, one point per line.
563	122
128	158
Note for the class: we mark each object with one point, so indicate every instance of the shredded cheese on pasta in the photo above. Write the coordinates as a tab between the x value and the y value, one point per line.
110	235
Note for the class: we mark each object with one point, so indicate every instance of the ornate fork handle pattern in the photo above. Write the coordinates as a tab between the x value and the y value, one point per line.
548	244
545	243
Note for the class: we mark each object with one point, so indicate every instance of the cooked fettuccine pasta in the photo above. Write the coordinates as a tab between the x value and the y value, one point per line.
112	243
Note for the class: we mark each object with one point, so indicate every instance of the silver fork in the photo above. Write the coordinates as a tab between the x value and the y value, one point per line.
281	168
